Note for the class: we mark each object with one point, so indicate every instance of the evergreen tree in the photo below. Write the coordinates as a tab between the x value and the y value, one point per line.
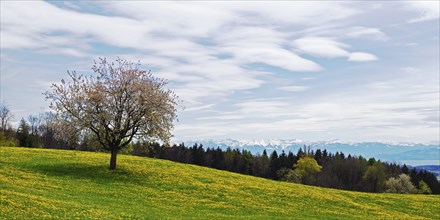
283	160
292	159
405	169
300	153
318	156
23	135
274	165
324	154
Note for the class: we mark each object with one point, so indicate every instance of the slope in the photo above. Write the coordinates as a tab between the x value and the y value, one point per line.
43	183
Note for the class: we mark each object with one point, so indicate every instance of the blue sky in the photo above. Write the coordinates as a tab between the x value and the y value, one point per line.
356	71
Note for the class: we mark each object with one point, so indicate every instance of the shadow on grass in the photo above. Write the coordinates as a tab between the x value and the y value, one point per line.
97	173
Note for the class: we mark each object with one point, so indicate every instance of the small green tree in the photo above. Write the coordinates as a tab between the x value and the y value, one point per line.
306	167
402	184
375	176
424	188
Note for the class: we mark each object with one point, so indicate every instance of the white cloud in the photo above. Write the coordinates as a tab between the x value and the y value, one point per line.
253	109
398	109
412	44
321	47
362	57
263	108
223	116
410	69
172	36
187	19
293	88
378	85
427	10
56	26
367	33
308	78
261	45
326	47
221	56
199	108
74	52
304	12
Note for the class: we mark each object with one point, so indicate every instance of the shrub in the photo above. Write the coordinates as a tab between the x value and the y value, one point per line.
288	175
402	184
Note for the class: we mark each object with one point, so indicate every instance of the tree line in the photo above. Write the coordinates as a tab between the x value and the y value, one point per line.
312	167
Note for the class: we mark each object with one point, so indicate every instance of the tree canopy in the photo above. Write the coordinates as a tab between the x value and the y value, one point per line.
117	103
306	167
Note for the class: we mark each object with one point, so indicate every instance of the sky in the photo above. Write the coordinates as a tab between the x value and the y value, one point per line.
309	70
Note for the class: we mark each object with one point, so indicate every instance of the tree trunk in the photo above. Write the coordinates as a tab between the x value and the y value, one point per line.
113	159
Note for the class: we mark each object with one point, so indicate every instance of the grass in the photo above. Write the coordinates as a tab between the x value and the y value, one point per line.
54	184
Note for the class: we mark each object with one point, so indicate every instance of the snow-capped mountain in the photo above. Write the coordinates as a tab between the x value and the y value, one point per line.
390	151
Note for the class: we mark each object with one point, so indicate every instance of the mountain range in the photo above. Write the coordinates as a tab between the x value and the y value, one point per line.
415	153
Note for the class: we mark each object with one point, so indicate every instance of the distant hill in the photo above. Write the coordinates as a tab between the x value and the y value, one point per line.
435	169
59	184
416	154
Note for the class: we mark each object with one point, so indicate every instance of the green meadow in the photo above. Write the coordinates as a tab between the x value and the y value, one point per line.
60	184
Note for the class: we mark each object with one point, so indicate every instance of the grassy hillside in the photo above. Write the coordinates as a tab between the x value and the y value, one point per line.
40	183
